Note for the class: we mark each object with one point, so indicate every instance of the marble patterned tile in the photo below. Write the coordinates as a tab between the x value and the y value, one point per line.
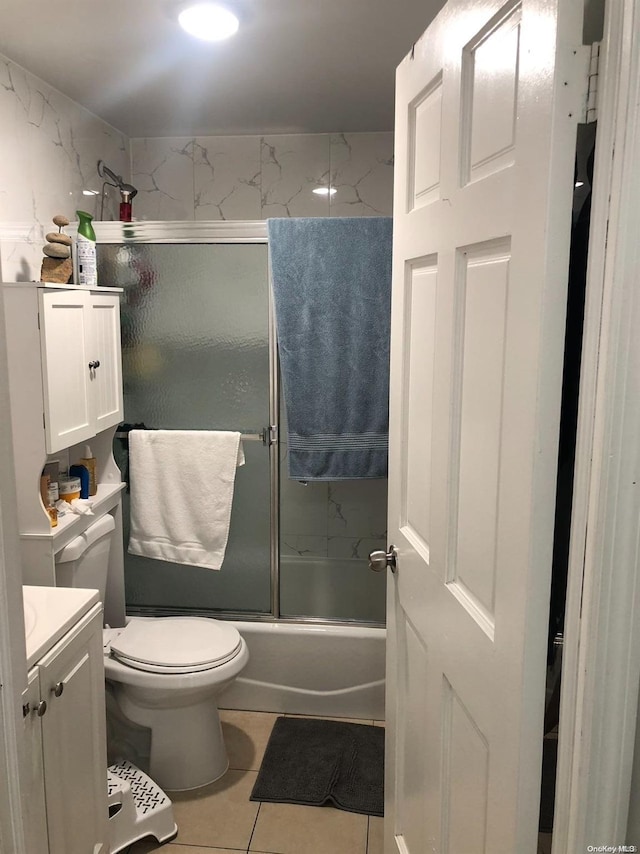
227	180
162	171
292	166
20	260
303	509
16	192
362	174
49	150
303	546
354	547
357	508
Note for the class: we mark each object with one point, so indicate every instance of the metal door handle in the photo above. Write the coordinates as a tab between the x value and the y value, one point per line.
41	708
58	689
379	560
94	365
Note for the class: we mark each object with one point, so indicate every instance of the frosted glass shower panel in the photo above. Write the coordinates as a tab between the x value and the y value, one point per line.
195	341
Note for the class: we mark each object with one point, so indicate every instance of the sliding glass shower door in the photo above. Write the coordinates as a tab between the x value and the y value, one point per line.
196	356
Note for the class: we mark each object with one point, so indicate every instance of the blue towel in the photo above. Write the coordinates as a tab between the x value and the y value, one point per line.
332	291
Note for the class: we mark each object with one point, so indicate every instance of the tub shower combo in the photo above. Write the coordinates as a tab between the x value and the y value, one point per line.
200	353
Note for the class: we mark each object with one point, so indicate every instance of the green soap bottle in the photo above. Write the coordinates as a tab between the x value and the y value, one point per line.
86	251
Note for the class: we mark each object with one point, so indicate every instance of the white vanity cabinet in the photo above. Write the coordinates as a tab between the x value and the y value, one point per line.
64	719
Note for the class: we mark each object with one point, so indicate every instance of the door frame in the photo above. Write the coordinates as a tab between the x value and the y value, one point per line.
601	663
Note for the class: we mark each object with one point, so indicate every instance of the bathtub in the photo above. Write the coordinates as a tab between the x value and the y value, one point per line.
304	668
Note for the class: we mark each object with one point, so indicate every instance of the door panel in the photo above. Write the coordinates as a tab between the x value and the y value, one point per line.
485	141
106	380
64	364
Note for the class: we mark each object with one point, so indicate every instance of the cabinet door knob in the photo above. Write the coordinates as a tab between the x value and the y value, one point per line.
41	708
58	689
26	708
94	365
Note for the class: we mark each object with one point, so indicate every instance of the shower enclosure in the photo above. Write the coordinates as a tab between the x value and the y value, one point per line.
200	353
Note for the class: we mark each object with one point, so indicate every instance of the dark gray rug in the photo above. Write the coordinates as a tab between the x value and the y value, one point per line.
312	761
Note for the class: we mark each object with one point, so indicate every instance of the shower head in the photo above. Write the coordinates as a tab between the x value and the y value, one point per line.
115	180
127	191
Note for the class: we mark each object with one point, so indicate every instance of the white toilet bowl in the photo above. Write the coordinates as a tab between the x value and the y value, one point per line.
166	674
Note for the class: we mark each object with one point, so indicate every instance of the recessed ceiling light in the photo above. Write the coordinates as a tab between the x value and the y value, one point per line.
208	21
325	191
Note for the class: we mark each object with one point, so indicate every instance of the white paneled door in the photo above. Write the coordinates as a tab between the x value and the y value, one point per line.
485	138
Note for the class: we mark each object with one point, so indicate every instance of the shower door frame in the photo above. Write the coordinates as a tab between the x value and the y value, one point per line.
247	231
235	231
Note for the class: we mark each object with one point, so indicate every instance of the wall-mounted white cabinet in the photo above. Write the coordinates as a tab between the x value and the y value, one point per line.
81	364
65	740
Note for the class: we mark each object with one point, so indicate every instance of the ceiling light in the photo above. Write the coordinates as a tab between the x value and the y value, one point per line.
90	193
579	184
325	191
208	21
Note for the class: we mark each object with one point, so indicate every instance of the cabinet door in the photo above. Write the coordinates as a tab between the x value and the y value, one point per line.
105	380
74	740
33	803
64	334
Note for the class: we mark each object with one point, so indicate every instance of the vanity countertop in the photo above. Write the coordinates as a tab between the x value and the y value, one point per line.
49	612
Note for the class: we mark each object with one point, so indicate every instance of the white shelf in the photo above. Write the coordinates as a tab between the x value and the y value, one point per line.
67	287
71	525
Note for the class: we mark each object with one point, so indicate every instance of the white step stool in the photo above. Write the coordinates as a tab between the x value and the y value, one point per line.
137	808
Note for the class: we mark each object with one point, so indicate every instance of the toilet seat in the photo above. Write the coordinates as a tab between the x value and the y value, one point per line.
175	645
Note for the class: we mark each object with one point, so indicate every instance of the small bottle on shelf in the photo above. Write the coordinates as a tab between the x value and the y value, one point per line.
52	497
89	462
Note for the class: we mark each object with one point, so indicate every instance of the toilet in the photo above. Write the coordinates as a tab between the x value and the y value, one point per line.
165	672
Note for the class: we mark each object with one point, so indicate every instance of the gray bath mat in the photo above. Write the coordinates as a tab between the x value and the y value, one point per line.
312	761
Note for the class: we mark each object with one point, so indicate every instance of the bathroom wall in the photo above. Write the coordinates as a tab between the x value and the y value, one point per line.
49	149
255	177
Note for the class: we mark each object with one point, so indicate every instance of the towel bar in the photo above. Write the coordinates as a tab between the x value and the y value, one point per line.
262	436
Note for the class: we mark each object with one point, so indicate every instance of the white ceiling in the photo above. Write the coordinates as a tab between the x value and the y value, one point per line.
295	66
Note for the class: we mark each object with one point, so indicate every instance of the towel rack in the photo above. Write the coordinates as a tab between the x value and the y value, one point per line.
266	435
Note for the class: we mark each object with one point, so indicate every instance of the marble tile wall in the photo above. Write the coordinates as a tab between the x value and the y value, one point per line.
256	177
49	150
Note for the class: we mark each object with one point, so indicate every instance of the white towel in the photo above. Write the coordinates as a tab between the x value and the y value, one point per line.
181	494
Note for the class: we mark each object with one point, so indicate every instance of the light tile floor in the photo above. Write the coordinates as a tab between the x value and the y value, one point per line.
221	819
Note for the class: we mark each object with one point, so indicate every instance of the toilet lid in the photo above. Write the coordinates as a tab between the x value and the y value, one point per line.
176	644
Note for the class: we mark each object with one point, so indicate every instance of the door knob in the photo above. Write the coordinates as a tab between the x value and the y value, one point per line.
94	365
41	708
380	560
58	689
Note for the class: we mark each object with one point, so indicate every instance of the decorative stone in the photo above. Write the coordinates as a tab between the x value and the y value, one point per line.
57	250
60	220
58	237
57	271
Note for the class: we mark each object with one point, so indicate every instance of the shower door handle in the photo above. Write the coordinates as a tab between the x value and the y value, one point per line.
379	560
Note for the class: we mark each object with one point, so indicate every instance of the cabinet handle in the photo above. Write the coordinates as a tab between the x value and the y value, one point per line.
58	689
94	365
26	709
41	708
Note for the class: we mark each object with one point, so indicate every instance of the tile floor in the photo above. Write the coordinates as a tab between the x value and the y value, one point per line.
220	818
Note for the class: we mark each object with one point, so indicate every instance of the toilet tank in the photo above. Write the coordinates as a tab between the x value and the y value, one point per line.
84	561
